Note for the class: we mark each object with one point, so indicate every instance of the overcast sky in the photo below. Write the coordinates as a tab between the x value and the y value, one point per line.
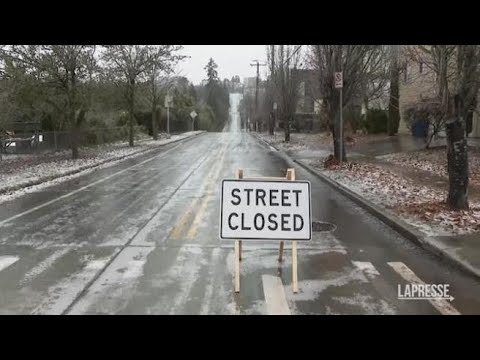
231	60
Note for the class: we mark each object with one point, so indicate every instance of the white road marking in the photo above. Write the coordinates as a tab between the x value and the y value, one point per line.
367	268
84	187
443	306
275	295
115	287
62	294
6	261
43	266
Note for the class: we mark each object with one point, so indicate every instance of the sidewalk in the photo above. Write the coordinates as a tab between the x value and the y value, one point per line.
407	190
18	172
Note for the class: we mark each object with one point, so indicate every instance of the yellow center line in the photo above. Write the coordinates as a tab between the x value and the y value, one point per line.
192	233
181	223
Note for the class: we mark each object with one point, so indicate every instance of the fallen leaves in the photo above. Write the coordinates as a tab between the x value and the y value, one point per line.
413	202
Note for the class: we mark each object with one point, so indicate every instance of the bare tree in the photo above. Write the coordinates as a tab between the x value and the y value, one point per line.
270	99
360	65
285	60
129	63
394	101
63	68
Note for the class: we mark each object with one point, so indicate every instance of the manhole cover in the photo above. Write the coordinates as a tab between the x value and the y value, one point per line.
320	226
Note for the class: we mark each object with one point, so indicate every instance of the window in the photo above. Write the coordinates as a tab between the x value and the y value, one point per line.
421	67
405	72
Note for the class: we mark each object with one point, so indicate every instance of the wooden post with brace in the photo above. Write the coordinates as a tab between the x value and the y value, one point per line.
238	243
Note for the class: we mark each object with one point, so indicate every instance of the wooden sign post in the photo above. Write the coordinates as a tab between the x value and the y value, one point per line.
304	217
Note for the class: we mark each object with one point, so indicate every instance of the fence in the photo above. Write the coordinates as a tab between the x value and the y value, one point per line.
28	143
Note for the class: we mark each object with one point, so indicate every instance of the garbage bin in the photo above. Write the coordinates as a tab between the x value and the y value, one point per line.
420	129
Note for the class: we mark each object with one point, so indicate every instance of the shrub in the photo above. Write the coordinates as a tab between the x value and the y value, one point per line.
375	121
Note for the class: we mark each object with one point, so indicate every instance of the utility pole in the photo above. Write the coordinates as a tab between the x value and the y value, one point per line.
339	85
257	64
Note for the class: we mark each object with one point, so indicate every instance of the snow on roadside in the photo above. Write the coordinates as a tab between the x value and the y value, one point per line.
50	169
419	205
435	161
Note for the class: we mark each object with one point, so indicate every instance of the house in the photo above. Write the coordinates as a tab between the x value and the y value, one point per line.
418	83
309	100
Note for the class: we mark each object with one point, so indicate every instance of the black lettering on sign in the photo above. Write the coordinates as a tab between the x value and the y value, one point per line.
261	197
243	223
295	227
248	191
296	193
284	222
272	197
259	216
285	198
230	221
236	196
272	220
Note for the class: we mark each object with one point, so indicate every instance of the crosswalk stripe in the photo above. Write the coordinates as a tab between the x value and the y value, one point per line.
367	267
6	261
443	306
275	295
43	266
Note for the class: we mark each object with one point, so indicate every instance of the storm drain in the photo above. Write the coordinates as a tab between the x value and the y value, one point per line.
320	226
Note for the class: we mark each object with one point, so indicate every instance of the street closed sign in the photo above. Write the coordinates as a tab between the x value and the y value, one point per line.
265	210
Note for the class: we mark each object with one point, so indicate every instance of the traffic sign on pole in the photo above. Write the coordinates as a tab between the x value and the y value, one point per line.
338	80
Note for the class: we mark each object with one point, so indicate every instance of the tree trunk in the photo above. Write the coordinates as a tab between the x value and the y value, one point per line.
393	107
394	103
131	112
457	157
154	123
74	141
271	127
336	140
287	129
73	132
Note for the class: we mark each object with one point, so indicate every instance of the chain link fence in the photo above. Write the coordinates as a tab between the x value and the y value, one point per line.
34	142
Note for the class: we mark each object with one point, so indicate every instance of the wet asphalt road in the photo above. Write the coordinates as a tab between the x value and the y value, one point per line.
142	238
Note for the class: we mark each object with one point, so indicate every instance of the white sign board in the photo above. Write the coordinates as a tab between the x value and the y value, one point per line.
168	101
193	114
338	80
265	210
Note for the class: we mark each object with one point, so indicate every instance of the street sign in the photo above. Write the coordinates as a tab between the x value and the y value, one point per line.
168	101
193	114
275	106
338	80
265	210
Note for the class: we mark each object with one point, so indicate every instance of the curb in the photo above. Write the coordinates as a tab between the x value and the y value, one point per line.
397	224
255	135
83	168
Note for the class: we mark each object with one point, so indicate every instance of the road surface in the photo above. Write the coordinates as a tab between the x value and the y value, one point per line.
142	238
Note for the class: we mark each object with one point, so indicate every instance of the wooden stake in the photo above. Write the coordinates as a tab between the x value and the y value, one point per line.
240	176
294	268
237	266
291	176
238	247
280	252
